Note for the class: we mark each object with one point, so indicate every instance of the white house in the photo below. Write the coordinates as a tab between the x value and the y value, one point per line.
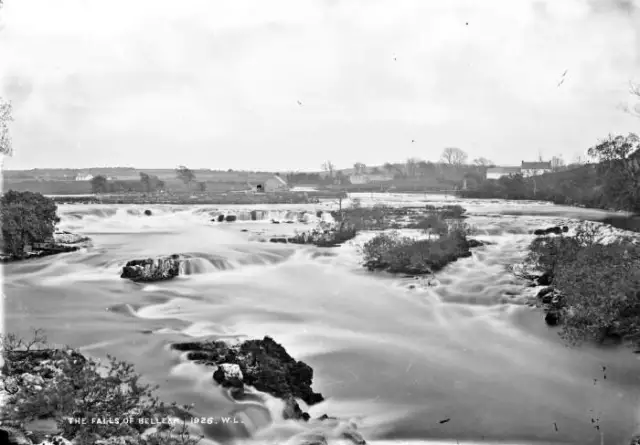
498	172
366	179
535	168
358	179
274	184
84	177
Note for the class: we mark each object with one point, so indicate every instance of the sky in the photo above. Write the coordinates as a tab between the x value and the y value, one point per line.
288	84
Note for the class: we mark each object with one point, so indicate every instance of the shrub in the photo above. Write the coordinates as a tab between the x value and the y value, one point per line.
395	253
600	284
26	218
58	384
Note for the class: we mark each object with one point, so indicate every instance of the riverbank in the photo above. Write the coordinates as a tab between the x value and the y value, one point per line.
591	284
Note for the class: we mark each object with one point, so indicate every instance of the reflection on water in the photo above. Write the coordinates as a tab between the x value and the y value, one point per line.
395	359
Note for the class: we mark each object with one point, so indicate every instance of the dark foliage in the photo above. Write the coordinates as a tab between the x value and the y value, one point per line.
27	218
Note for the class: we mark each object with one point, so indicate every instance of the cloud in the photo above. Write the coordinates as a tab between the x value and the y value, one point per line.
217	83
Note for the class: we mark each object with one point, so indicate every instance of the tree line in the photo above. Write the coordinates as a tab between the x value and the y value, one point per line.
147	183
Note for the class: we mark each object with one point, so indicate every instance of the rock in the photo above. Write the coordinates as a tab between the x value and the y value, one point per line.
292	410
545	279
163	268
273	221
556	230
278	240
264	364
56	440
553	317
13	436
244	230
319	214
354	437
230	218
471	243
220	218
62	237
148	212
544	292
635	440
229	375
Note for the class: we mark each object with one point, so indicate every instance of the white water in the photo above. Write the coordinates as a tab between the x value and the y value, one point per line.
395	360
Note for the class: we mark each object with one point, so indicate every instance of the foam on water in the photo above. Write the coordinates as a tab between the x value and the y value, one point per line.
395	353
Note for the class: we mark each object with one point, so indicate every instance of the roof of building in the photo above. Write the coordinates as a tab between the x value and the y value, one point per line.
279	179
505	170
536	165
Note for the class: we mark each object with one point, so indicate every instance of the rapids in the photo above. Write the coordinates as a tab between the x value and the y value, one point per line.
396	359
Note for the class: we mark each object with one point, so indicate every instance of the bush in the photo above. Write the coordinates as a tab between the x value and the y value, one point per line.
58	384
27	218
600	284
395	253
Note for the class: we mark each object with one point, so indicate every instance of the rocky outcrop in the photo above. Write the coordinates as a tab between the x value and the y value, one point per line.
263	364
325	237
554	304
556	230
158	269
148	212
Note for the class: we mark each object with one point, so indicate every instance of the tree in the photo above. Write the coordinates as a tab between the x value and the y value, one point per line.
6	147
389	167
454	156
483	162
99	184
557	163
145	180
328	167
202	186
185	175
619	173
27	218
360	168
411	167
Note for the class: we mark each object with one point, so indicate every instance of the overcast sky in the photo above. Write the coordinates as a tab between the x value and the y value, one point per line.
216	84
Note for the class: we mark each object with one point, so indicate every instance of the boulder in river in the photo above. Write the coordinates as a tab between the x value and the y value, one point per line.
230	218
263	364
150	269
148	212
556	230
220	218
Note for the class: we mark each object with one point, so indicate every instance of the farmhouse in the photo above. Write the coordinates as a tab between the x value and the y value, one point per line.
535	168
84	177
368	178
498	172
273	184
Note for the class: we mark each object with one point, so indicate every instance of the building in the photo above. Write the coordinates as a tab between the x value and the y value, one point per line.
358	179
273	184
498	172
84	177
368	178
535	168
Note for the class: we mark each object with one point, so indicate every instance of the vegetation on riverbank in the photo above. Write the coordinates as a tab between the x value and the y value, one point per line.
594	288
43	388
27	218
28	223
612	182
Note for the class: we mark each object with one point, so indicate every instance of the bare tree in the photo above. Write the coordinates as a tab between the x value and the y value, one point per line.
6	147
454	156
359	167
388	166
329	167
483	162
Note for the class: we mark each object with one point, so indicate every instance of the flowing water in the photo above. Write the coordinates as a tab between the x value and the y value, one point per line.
397	359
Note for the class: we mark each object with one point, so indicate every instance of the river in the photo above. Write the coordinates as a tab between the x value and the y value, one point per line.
397	359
